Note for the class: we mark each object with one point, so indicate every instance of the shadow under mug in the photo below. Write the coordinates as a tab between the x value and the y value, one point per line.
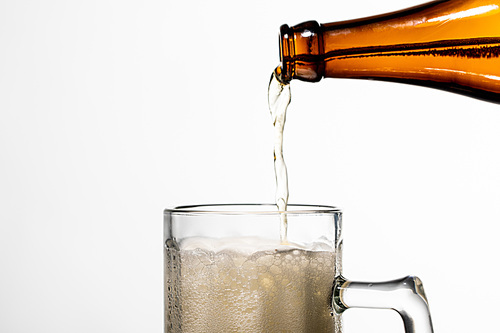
227	270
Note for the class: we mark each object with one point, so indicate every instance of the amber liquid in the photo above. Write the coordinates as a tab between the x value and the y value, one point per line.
452	45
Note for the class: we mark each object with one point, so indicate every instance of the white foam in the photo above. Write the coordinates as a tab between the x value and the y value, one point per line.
248	245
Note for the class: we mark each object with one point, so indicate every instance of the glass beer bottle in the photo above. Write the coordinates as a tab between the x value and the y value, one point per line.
452	45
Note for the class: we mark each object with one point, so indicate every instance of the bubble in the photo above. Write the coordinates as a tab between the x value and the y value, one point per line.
230	289
275	269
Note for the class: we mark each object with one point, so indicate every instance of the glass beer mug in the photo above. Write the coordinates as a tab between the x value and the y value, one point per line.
226	270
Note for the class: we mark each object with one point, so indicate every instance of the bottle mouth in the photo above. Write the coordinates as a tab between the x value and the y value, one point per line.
301	52
283	71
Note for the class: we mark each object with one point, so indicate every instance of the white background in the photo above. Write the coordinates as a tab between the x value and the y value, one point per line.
112	110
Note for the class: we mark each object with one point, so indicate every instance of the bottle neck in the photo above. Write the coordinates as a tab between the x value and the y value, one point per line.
301	52
305	47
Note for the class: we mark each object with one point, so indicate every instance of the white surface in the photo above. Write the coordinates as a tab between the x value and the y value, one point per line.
113	110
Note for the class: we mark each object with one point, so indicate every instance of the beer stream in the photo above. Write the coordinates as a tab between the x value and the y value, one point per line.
279	98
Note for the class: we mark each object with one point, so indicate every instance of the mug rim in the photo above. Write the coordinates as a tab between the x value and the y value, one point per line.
251	209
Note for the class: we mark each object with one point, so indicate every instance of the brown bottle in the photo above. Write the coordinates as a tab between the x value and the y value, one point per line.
452	45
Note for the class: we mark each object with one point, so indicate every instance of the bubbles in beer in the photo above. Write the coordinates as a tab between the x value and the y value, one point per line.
226	288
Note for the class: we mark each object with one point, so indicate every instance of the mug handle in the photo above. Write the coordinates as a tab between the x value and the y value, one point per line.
406	296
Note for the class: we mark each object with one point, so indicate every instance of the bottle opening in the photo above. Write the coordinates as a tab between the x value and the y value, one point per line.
283	71
301	52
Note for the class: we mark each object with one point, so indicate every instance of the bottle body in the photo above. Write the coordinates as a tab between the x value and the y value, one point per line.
447	44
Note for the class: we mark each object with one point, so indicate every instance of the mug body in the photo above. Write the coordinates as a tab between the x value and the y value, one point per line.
227	269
